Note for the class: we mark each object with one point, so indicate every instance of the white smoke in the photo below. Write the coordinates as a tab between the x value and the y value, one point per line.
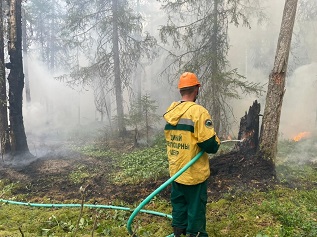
299	104
55	109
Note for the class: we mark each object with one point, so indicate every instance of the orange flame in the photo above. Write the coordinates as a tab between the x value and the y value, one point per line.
300	136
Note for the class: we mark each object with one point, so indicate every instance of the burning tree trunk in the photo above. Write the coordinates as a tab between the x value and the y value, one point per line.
16	79
242	168
275	93
249	128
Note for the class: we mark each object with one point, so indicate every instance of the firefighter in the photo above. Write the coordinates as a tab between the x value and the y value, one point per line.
189	130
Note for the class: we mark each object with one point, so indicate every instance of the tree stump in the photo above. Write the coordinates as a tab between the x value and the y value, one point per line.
249	128
242	169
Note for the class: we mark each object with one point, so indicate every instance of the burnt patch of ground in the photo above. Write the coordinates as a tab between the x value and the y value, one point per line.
49	177
53	177
238	171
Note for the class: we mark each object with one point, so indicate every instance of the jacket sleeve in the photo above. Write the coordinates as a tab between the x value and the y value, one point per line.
211	145
207	138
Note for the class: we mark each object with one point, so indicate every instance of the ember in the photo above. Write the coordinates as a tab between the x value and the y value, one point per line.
300	136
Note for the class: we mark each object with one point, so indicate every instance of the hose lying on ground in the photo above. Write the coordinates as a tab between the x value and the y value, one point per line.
134	211
60	205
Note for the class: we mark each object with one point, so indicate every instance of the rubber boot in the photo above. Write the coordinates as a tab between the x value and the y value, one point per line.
178	231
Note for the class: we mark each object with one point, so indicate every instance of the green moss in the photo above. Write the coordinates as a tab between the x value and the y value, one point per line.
287	210
280	212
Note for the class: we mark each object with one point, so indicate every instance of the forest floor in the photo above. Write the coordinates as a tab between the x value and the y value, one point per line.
52	176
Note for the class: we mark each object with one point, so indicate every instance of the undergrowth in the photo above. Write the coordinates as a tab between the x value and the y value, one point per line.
142	165
280	212
287	210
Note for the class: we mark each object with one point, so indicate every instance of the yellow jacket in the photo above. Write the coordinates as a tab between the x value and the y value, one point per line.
188	130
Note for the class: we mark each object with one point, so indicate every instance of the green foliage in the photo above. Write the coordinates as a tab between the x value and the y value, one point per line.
79	174
90	31
134	167
160	141
294	162
143	110
62	222
297	175
93	150
200	44
44	19
293	210
287	210
142	114
280	212
7	188
142	165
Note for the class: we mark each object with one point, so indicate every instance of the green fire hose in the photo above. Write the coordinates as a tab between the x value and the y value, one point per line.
135	211
159	189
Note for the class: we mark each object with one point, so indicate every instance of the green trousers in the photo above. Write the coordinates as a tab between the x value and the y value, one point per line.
189	207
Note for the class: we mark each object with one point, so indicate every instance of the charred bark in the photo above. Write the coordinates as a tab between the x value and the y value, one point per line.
16	80
4	131
249	129
25	55
243	169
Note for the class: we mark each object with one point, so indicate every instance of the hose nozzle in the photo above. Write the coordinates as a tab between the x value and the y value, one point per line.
232	141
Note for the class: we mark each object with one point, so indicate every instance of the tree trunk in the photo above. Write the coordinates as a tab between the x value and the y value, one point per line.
276	86
4	131
117	74
147	127
216	111
249	129
25	55
52	35
16	80
138	74
108	111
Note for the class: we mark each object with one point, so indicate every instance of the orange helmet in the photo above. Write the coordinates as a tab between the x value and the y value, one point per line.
188	79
